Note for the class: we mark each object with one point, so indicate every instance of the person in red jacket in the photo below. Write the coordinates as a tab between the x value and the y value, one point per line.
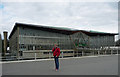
56	53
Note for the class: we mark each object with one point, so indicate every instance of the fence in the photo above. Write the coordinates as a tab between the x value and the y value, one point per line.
42	54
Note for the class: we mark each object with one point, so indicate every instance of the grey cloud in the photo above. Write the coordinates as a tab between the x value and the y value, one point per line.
78	15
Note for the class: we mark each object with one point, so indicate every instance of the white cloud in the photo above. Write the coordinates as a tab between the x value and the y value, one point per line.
59	0
100	16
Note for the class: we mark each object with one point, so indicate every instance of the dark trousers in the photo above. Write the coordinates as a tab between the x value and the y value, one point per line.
56	62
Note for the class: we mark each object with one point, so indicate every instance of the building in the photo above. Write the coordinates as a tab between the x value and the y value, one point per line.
37	38
100	39
118	42
0	44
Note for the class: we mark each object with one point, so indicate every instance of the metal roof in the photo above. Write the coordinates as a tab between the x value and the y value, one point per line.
62	30
95	33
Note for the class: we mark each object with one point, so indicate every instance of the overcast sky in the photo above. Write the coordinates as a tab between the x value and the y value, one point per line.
98	16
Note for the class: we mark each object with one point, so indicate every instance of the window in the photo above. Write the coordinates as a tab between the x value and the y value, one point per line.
30	47
37	47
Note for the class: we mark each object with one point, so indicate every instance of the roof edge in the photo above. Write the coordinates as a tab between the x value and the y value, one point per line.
69	31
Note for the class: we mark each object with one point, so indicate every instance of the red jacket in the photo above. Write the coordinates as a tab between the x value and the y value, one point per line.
56	51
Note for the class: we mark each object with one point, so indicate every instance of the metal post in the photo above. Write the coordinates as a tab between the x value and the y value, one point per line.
105	52
73	53
98	52
49	54
18	55
77	53
117	51
93	53
35	55
82	53
111	52
62	54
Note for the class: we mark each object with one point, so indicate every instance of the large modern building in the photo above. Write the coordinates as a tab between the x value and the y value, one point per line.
37	38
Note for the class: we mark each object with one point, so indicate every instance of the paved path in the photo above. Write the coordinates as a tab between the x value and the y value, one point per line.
102	65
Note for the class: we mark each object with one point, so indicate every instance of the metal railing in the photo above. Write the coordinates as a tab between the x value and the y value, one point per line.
45	54
39	54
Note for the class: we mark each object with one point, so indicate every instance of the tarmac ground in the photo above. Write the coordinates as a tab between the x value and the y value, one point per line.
96	65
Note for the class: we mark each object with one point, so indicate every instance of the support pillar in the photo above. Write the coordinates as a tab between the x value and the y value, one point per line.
5	42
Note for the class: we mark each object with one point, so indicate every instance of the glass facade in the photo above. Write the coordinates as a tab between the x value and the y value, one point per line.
32	39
